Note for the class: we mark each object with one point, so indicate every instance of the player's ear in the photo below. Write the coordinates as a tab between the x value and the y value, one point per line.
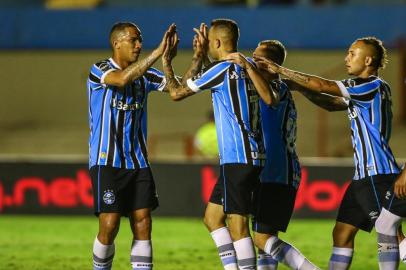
217	43
368	61
116	44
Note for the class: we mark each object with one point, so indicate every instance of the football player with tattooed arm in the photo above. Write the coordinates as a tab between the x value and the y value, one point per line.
122	181
370	199
239	132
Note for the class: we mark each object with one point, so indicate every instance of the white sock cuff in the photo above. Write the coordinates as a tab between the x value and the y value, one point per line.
102	251
343	251
268	245
221	236
141	248
387	223
244	248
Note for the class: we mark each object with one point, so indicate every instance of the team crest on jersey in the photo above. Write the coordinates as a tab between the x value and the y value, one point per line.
109	197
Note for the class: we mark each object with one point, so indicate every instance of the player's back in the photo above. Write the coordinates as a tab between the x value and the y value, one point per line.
236	112
279	128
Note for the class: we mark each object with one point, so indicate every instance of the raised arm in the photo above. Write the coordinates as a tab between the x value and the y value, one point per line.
268	95
309	82
134	71
325	101
180	90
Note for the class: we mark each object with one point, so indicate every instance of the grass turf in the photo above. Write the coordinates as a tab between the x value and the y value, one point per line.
45	243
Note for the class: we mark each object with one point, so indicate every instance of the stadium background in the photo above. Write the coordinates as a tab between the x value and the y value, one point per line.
46	50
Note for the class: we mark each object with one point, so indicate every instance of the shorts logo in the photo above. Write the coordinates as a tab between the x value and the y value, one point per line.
373	215
109	197
388	195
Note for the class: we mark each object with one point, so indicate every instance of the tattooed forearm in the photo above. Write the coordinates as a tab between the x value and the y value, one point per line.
176	90
195	67
326	102
137	69
295	76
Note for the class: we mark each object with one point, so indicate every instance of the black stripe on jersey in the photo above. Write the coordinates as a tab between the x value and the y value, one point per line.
384	110
361	136
216	80
358	165
101	126
372	152
153	78
134	125
366	97
103	65
141	139
94	78
120	134
111	150
236	108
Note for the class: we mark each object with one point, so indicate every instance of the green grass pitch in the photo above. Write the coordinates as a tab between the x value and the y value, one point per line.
49	243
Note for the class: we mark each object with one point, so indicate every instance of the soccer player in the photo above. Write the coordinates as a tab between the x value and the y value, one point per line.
122	181
368	99
280	178
239	132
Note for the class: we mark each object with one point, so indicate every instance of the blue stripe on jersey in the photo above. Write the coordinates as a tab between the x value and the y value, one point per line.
279	127
118	117
236	112
370	112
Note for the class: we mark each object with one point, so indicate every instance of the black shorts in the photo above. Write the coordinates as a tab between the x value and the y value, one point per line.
234	188
273	207
363	200
117	190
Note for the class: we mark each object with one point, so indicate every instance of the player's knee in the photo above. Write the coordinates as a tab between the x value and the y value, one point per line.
238	226
142	227
260	240
108	231
343	236
213	222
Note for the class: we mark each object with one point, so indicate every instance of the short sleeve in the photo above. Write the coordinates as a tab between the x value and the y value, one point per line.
358	89
210	77
155	80
97	74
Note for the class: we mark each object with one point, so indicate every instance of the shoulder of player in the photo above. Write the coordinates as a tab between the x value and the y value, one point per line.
218	64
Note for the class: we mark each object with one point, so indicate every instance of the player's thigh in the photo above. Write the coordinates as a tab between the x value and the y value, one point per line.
239	182
107	186
361	204
273	207
141	191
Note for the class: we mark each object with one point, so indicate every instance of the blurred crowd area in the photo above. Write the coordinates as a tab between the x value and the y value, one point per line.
61	4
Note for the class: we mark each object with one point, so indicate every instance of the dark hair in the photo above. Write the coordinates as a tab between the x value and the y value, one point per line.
229	25
119	27
380	59
277	52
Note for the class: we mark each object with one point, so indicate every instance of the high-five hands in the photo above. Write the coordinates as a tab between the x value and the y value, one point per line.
170	43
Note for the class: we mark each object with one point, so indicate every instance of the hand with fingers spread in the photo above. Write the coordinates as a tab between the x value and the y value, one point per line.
400	186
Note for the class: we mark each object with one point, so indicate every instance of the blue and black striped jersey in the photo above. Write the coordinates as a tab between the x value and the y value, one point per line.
236	112
279	126
370	113
118	117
